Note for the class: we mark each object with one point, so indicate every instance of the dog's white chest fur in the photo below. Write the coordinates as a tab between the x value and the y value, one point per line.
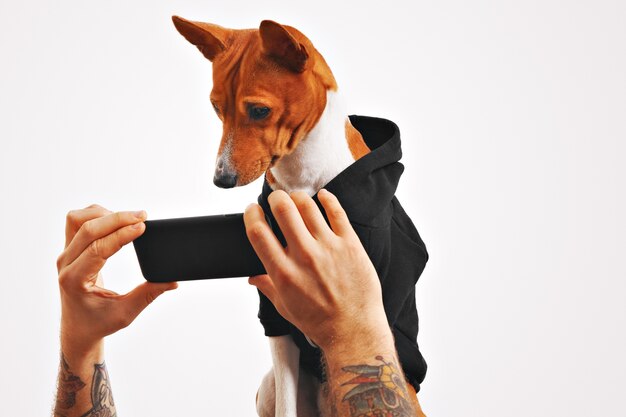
319	156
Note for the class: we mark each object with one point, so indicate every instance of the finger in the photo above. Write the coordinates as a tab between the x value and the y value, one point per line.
264	242
337	216
97	228
265	284
141	297
311	214
75	219
289	220
86	267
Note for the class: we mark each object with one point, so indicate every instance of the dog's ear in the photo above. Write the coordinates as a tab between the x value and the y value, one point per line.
210	39
282	46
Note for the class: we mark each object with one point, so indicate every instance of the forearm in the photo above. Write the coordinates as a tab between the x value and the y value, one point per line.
365	377
83	388
89	311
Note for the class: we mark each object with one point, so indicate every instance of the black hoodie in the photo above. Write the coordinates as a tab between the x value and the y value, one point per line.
366	191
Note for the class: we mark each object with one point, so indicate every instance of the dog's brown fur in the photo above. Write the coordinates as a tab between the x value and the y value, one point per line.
275	66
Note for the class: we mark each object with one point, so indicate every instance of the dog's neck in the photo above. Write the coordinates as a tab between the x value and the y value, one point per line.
321	154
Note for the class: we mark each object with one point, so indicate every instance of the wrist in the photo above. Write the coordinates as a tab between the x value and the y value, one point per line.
76	347
361	336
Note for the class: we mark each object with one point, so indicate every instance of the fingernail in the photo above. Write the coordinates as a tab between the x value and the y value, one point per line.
136	225
139	214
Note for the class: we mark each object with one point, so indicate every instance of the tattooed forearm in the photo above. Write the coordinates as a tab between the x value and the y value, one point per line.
69	385
101	394
378	390
102	404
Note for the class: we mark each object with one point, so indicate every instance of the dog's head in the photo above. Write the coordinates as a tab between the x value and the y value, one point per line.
269	91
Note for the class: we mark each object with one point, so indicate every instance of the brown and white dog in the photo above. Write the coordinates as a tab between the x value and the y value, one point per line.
283	117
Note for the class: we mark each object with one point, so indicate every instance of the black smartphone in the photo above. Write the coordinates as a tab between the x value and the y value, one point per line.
192	248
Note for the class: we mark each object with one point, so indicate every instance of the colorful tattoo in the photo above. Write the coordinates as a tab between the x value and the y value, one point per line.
380	391
101	394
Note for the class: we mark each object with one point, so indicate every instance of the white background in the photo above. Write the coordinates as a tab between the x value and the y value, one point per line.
513	123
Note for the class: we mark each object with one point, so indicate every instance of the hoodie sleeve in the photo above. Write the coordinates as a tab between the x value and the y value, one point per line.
273	323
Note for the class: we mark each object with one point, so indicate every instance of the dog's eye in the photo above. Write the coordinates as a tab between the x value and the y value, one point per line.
217	109
258	113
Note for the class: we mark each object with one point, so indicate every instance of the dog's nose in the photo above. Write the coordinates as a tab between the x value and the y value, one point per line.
225	180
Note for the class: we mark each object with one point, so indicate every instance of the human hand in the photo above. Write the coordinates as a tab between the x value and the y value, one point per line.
323	281
89	312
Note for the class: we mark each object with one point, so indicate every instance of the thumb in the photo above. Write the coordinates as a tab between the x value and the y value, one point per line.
144	294
265	284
